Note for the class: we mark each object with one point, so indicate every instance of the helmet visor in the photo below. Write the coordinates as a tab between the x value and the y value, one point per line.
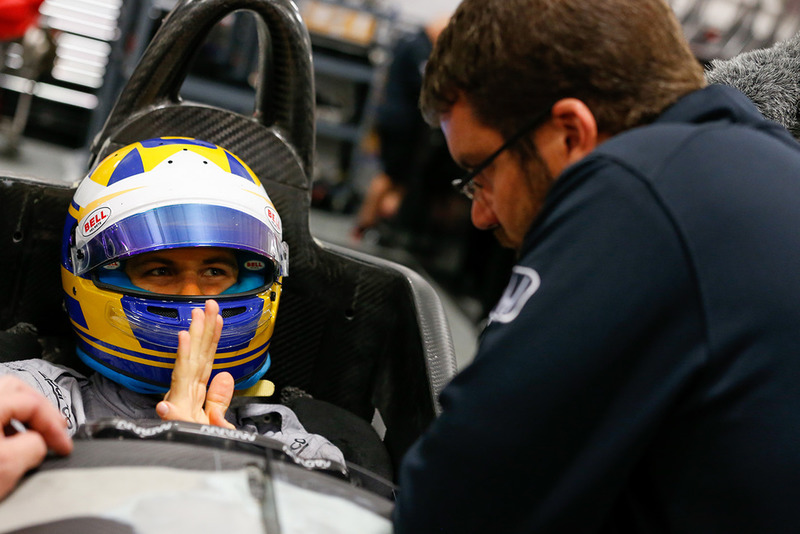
182	225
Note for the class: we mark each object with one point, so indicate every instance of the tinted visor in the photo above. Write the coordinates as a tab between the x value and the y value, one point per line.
183	225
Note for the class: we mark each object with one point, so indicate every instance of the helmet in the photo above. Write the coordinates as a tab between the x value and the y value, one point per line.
162	194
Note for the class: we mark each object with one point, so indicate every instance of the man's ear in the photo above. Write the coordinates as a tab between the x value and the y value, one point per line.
577	129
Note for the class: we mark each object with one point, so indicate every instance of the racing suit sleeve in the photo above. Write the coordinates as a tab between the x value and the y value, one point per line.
59	384
580	362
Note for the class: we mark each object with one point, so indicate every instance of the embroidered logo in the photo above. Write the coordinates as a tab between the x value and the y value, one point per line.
63	405
523	284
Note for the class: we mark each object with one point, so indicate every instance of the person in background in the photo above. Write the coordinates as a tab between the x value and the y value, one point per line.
410	204
408	147
640	372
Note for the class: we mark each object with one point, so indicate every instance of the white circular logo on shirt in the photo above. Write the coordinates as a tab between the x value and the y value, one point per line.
523	284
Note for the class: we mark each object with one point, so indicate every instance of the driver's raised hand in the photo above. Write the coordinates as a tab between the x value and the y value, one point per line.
190	397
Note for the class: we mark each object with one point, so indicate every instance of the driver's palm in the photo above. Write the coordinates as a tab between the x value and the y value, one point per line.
190	397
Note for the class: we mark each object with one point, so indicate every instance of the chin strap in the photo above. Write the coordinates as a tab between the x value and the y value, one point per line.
262	388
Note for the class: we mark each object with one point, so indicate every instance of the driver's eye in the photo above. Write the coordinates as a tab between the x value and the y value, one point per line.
216	271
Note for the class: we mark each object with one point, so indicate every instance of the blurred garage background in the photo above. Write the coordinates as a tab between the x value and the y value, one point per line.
60	78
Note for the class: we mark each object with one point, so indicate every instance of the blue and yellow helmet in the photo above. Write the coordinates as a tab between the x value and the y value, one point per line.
161	194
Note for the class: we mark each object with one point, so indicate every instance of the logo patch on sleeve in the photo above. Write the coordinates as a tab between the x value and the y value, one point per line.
523	284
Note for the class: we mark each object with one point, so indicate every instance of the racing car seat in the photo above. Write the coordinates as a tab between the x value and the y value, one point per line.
363	333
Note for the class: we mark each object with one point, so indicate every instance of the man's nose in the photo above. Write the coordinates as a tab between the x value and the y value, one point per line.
483	216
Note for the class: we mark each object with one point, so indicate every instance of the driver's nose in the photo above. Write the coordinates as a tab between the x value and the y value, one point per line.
189	286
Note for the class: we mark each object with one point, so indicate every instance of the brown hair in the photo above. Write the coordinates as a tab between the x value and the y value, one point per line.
626	59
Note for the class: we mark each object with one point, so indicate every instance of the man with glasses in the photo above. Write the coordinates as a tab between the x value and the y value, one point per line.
641	371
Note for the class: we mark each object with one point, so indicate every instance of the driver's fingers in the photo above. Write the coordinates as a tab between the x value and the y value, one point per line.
182	358
195	357
196	332
204	342
182	374
216	334
218	399
197	347
210	334
174	411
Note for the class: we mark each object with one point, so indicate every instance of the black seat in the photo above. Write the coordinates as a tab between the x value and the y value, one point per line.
357	331
32	215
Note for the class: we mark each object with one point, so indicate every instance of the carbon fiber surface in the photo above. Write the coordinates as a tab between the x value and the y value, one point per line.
284	96
32	214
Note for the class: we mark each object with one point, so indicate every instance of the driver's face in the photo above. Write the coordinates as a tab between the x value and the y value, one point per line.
184	271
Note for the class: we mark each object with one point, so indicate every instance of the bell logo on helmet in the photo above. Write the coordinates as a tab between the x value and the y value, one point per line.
94	221
274	219
254	265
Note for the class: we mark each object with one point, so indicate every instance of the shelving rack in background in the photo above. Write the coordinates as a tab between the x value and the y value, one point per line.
98	42
67	99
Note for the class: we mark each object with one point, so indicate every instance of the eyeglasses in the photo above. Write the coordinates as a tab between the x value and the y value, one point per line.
466	185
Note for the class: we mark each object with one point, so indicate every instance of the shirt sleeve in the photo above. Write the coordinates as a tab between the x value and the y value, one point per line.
585	352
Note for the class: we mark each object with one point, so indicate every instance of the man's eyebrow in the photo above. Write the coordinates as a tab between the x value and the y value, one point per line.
150	259
463	165
221	259
468	161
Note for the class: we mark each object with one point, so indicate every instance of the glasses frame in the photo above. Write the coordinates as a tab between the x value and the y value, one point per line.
466	184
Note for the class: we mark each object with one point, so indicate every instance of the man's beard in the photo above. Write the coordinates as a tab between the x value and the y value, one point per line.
540	180
504	240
